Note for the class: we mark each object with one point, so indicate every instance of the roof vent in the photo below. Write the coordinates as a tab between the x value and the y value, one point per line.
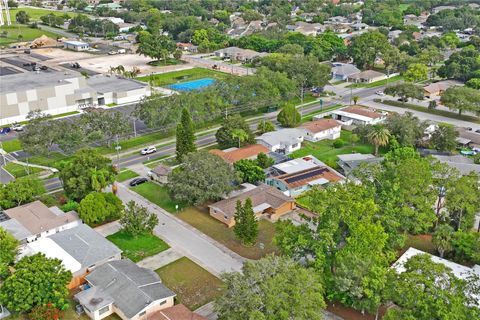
95	301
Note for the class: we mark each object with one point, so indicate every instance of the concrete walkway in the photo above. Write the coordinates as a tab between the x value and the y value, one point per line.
160	260
207	311
187	240
108	228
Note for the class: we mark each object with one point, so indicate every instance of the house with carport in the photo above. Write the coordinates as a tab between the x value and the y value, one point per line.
321	129
357	115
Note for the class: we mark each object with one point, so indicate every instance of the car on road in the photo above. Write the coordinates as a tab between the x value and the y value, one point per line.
380	93
137	181
148	150
477	131
18	127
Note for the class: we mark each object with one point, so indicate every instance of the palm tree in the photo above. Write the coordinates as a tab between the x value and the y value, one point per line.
239	134
442	239
355	99
378	136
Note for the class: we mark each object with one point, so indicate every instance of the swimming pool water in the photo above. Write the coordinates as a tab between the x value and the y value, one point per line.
192	85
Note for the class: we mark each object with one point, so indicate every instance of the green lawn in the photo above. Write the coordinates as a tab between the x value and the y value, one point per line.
140	247
376	83
201	220
157	194
18	171
137	142
126	175
324	150
193	285
53	160
36	13
27	33
309	116
443	113
182	76
169	62
12	145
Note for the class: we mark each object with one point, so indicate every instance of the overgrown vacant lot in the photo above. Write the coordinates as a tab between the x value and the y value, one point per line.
201	220
26	32
182	76
193	285
140	247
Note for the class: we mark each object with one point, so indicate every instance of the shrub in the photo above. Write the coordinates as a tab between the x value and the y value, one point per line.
338	143
71	205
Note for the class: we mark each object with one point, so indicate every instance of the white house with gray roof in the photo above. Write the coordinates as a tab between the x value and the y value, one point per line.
341	71
124	288
283	141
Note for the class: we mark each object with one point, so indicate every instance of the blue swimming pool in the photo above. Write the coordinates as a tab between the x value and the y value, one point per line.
192	85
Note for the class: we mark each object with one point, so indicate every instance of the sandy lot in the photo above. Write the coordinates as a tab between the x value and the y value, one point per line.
103	63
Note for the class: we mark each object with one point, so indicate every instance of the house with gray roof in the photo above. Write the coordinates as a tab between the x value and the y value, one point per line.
341	71
81	249
124	288
349	162
283	141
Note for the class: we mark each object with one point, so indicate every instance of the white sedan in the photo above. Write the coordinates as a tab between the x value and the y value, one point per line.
148	150
380	93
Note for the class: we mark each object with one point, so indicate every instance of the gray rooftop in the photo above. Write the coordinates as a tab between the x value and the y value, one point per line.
463	164
106	84
355	156
131	287
94	299
16	229
86	245
33	80
282	136
345	69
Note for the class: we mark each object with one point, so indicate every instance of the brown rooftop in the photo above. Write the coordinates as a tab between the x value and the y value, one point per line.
363	112
301	178
177	312
261	194
240	153
321	125
162	170
37	217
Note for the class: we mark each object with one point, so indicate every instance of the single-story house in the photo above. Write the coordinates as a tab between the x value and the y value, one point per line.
367	76
349	162
308	29
357	115
341	71
282	141
233	155
360	26
81	250
267	202
32	221
299	175
177	312
459	271
238	54
435	90
160	173
124	288
189	47
322	129
470	135
76	45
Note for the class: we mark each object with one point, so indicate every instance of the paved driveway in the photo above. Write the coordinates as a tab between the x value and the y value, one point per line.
187	240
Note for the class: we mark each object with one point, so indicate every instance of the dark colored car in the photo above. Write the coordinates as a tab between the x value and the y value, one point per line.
137	181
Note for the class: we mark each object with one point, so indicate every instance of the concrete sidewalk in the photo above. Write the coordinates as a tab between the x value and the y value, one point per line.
186	240
108	228
159	260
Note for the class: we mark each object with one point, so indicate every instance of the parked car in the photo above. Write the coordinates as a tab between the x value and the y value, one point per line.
5	130
148	150
18	127
43	67
380	93
121	51
137	181
112	52
477	131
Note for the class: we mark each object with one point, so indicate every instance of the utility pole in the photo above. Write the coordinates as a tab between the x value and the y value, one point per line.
118	148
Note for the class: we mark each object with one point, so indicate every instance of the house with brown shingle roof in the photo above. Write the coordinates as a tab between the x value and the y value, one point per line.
233	155
267	202
435	90
177	312
357	115
32	221
322	129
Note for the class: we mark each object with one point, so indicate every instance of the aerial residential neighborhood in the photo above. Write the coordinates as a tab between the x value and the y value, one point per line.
239	159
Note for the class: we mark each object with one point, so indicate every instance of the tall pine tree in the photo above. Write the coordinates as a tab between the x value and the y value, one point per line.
246	224
185	136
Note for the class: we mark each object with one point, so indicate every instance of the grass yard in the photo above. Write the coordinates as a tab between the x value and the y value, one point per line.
324	150
157	194
163	79
36	13
376	83
201	220
12	145
138	248
126	175
169	62
421	242
137	142
53	160
193	285
18	170
27	33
